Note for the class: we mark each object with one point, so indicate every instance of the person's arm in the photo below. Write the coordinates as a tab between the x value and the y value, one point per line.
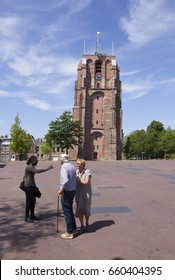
63	180
34	170
86	178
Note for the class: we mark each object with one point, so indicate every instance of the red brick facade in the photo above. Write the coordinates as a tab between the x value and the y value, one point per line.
97	105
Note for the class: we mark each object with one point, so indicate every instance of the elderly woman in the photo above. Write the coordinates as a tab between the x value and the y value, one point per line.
83	195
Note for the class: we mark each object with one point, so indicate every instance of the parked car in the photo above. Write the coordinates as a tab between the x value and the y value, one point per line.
2	164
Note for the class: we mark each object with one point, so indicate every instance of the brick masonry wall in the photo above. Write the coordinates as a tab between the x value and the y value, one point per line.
98	107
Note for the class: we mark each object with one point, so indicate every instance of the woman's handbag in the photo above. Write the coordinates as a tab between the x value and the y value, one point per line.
21	186
37	192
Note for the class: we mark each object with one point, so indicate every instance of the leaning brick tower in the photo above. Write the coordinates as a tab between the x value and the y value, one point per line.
97	105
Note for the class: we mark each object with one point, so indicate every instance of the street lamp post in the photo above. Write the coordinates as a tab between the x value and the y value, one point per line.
165	151
142	155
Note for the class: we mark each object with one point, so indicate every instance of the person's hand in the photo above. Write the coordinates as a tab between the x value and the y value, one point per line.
60	192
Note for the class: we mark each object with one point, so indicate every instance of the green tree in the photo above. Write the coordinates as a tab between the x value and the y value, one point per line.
46	149
155	142
64	132
126	146
155	126
20	141
167	143
154	132
134	144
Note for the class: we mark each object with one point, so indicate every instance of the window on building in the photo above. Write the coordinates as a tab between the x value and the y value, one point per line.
97	111
98	67
5	148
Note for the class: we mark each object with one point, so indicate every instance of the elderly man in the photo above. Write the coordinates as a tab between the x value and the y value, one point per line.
67	192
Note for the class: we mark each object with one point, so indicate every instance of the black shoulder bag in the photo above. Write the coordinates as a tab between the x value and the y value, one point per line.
21	186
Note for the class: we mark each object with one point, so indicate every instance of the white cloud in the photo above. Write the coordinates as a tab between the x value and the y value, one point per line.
37	103
4	93
9	25
49	5
130	73
78	5
147	20
43	104
35	99
34	102
38	68
140	86
8	48
135	90
10	36
165	81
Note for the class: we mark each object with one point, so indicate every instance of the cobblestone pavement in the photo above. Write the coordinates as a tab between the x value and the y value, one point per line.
133	214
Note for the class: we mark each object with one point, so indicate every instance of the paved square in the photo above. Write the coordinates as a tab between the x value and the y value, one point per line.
133	213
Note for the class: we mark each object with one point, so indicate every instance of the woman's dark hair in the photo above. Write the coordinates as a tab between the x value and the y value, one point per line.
32	160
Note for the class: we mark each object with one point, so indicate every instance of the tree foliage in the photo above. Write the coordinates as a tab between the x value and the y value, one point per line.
64	132
156	142
134	144
46	149
20	140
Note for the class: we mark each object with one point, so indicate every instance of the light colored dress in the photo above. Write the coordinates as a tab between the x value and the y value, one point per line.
83	195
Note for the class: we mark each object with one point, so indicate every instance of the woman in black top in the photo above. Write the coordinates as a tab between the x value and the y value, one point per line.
29	183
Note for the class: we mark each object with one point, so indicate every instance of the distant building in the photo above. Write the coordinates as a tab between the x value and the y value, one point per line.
7	155
97	105
53	155
5	152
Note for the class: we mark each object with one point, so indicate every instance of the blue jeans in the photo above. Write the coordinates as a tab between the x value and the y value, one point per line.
67	206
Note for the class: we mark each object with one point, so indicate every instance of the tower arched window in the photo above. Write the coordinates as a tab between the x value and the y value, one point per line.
98	67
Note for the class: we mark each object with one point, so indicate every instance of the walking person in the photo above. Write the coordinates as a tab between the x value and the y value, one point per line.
67	193
29	183
83	195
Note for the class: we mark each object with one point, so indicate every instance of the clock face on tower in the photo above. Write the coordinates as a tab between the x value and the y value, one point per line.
98	76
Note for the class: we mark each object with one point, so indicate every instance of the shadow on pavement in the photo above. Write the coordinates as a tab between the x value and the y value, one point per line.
17	235
101	224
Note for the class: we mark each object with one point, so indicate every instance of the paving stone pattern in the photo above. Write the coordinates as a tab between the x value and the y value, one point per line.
133	214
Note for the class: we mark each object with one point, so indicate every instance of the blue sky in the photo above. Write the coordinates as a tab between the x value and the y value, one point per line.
42	42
